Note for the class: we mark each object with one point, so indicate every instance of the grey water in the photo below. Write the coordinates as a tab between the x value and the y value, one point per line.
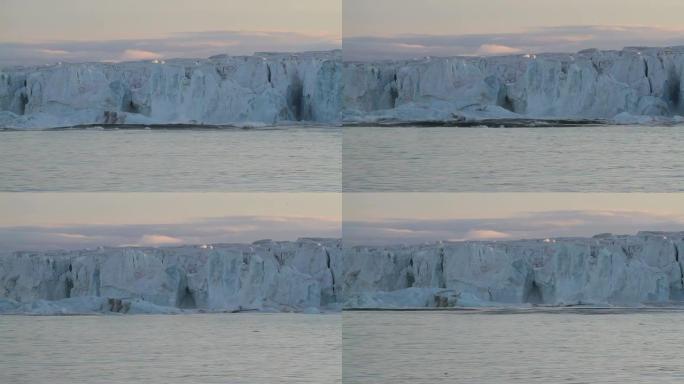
212	348
492	348
355	159
285	159
561	159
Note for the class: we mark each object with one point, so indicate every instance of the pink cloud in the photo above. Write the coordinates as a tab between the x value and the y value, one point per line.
159	240
485	234
55	52
496	49
138	54
410	46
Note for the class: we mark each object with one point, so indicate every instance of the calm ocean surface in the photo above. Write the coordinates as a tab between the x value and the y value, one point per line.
305	159
231	348
549	348
575	159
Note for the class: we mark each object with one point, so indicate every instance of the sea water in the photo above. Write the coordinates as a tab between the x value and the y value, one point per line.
502	347
210	348
295	159
562	159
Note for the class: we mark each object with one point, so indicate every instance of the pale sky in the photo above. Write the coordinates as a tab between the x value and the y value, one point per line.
390	29
48	31
84	20
37	221
457	17
383	218
35	31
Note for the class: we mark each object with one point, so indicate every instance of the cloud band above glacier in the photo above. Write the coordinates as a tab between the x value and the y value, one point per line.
177	45
534	40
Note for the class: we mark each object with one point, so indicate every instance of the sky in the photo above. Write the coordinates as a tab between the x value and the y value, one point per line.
48	31
393	29
41	221
44	31
405	218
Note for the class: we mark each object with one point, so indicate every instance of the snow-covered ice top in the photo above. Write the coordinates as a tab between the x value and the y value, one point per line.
266	88
633	85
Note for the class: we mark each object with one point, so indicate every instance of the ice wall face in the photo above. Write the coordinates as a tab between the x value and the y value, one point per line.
264	88
310	274
284	276
318	87
588	84
619	270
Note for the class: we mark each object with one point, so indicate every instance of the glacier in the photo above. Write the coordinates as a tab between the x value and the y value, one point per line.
629	86
266	88
634	85
313	275
299	276
615	270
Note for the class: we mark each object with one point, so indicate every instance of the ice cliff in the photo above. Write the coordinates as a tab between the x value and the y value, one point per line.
313	274
633	85
646	268
264	88
591	84
281	276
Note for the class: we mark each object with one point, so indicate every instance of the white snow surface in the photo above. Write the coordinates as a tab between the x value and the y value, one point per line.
267	275
616	270
590	84
265	88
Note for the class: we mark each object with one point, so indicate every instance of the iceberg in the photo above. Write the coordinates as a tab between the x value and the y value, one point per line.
299	276
266	88
614	270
